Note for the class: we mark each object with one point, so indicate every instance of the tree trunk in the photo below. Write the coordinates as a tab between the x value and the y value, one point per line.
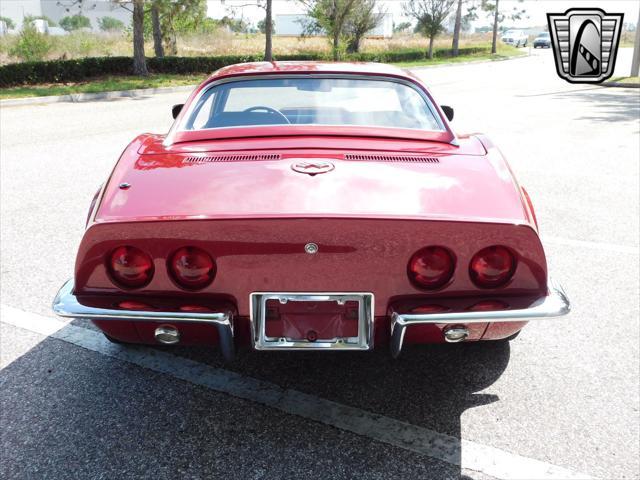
354	44
456	30
170	42
139	61
635	62
157	32
268	32
494	41
336	45
169	35
431	47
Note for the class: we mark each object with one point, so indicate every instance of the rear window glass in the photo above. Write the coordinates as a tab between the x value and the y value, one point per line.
312	101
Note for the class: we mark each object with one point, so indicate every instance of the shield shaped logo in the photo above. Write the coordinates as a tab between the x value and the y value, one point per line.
585	43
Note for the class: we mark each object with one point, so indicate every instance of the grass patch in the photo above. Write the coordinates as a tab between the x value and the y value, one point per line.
504	52
625	80
104	84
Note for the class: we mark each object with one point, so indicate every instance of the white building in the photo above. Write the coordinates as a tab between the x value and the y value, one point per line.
16	10
293	25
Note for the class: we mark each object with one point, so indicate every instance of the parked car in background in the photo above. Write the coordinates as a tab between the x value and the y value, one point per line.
311	206
517	38
543	40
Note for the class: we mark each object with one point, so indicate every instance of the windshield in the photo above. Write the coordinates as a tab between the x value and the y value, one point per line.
312	101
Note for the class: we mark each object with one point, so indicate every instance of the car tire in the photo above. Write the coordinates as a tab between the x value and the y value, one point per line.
510	337
115	340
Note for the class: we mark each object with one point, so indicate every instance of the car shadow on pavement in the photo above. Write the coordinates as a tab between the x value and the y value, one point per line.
611	105
430	386
68	412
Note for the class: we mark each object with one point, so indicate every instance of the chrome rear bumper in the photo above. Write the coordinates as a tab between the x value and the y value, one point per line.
66	305
555	304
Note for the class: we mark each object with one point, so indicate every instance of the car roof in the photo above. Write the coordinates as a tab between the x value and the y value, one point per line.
253	68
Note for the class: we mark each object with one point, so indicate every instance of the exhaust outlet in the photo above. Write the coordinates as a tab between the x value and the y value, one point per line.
167	335
455	334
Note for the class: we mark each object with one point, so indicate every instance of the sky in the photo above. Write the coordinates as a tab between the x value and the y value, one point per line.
536	10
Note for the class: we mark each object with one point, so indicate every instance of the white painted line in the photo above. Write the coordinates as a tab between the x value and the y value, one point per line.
611	247
467	454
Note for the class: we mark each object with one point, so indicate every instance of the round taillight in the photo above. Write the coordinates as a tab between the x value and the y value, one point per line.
492	267
130	267
192	268
431	267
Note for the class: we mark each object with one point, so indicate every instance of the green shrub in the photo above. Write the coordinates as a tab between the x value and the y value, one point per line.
110	24
75	22
8	22
61	71
31	45
30	18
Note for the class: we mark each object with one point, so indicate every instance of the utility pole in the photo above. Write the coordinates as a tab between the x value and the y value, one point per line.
635	62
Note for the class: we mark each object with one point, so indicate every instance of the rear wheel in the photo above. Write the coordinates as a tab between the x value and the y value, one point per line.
115	340
510	337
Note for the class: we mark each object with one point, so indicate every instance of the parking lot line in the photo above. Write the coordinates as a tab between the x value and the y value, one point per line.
467	454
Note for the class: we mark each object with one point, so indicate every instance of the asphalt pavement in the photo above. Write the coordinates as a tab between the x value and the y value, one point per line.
561	401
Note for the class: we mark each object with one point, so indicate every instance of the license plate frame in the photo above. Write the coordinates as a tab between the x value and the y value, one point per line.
364	340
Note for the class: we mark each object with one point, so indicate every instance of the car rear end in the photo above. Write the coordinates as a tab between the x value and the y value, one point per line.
298	235
361	280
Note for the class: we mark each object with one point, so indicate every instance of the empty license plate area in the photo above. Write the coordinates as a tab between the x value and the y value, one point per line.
312	321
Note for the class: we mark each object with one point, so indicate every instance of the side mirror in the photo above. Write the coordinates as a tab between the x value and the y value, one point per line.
176	109
448	111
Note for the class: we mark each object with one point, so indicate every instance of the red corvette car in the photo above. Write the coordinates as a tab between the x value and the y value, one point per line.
320	206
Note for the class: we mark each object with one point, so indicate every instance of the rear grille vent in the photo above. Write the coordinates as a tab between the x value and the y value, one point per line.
232	158
389	158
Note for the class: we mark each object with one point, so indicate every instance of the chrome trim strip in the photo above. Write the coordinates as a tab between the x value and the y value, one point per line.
364	340
555	304
66	305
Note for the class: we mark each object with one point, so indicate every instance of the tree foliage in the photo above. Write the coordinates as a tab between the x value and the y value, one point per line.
8	22
110	24
75	22
402	27
236	25
365	17
345	22
430	16
262	24
178	16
